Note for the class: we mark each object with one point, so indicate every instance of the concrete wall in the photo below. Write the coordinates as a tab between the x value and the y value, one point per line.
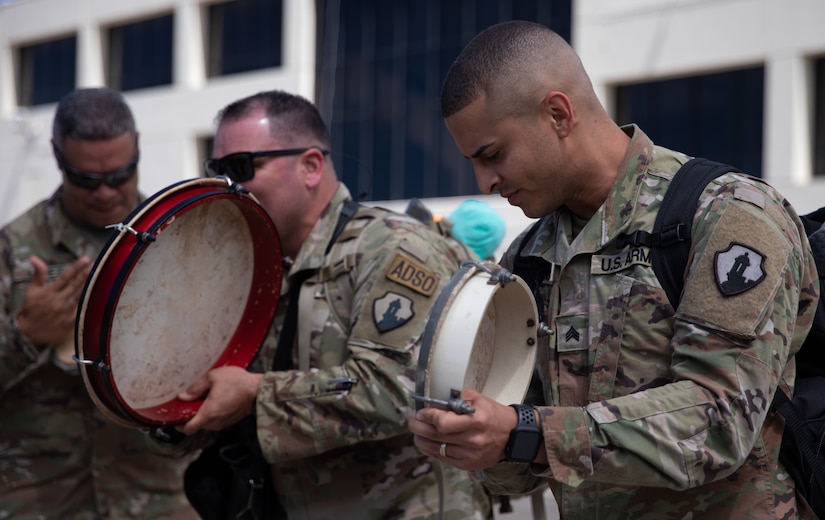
619	41
639	40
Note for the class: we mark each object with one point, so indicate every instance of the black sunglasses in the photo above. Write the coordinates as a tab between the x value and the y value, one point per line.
240	166
92	181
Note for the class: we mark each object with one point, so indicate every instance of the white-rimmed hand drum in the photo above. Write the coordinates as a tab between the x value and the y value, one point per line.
189	283
481	334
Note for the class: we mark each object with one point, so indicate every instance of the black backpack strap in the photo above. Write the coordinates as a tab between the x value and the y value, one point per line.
669	241
674	222
532	269
283	353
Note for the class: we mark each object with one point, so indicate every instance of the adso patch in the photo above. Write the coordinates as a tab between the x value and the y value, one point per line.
413	275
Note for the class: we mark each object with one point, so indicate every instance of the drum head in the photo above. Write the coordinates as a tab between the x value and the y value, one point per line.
481	334
158	313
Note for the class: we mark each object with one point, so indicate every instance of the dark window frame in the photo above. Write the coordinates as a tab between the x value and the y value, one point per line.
717	115
129	63
818	123
246	50
45	70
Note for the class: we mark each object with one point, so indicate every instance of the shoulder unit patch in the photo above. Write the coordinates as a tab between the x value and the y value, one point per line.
738	268
391	311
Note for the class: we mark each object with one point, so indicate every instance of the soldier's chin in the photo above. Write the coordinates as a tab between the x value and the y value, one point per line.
103	218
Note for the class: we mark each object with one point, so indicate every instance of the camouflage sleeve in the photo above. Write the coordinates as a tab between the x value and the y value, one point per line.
733	336
17	353
513	479
361	390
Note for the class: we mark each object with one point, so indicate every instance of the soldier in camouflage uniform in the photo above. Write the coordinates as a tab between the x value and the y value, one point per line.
59	456
334	426
650	410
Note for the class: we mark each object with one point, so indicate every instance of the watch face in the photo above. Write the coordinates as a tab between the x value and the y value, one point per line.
524	446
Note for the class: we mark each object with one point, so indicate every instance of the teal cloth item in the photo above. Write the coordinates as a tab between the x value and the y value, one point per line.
479	226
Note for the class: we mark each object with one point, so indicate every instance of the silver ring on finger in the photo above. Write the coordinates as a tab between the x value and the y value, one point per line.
442	451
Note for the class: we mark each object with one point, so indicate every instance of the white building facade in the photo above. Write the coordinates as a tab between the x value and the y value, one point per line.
620	42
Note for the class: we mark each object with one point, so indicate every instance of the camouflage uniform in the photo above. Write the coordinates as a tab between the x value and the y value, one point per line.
59	456
660	414
335	431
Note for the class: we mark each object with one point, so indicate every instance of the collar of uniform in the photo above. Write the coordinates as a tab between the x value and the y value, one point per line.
618	208
311	255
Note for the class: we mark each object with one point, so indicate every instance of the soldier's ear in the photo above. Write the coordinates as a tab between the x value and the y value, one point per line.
312	166
558	107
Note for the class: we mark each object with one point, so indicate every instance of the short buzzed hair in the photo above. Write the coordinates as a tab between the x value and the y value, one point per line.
289	115
497	60
91	114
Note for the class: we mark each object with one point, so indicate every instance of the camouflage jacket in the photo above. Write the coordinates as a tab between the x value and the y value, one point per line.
59	456
654	413
334	429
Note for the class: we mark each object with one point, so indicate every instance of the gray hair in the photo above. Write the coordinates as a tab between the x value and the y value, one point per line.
92	114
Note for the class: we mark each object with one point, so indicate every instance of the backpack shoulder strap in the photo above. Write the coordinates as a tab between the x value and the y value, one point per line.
670	240
532	269
283	352
347	212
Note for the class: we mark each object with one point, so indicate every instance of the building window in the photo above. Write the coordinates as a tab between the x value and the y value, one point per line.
205	146
716	116
819	117
140	54
46	71
244	35
381	66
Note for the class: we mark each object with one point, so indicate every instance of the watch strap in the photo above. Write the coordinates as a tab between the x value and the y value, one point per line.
526	431
526	415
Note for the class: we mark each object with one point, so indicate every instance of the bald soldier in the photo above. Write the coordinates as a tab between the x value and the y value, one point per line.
648	408
325	404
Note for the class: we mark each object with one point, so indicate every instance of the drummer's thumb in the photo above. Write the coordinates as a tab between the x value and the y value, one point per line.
196	390
426	415
40	270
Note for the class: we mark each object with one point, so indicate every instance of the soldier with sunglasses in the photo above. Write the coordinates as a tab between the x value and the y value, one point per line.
59	456
328	401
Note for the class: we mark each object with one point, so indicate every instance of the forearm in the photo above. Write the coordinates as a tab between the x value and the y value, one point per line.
303	413
676	436
18	355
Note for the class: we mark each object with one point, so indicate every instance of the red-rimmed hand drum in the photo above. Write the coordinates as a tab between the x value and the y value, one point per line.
189	283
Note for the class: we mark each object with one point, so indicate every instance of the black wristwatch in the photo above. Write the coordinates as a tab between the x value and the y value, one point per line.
525	439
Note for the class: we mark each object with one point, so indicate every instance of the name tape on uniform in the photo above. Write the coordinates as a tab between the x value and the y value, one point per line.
413	275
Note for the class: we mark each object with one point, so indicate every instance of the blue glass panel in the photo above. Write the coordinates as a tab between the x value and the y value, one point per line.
718	116
52	71
390	62
250	34
146	53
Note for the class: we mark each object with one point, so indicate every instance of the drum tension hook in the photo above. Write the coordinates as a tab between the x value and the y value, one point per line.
234	187
143	236
497	275
99	364
238	189
455	404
